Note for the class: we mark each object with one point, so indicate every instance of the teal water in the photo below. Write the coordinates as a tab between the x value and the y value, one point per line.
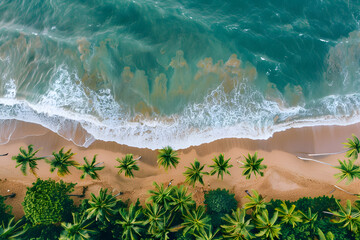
179	72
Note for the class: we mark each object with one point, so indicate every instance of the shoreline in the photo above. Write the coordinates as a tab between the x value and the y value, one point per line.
286	177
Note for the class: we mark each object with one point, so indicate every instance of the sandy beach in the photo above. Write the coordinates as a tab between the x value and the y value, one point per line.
286	177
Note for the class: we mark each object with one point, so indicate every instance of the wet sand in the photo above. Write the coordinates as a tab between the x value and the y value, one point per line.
286	177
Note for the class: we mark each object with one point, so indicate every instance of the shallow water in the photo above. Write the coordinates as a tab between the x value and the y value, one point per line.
155	73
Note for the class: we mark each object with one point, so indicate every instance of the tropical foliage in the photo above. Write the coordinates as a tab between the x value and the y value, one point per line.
220	166
252	165
353	147
27	158
348	171
195	173
47	202
102	207
90	168
167	157
61	162
127	165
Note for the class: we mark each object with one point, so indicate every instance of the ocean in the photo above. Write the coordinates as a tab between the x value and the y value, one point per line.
178	72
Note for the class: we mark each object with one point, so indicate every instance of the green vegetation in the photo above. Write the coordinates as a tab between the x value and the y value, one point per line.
167	157
128	165
24	159
220	166
47	202
90	169
170	212
62	161
252	165
194	173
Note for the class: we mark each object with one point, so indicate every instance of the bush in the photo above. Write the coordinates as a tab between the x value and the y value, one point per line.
47	202
219	202
5	211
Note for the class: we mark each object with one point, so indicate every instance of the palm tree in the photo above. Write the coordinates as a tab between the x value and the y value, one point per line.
194	173
167	157
221	166
349	216
289	216
236	227
131	225
353	147
62	161
208	235
348	170
127	165
161	195
257	202
266	226
180	200
90	169
196	221
253	165
12	231
102	208
310	218
328	236
155	214
78	230
164	228
24	159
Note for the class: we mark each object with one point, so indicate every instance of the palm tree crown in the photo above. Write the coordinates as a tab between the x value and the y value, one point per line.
101	207
167	157
78	230
257	202
208	235
194	173
12	231
132	226
353	146
155	215
266	226
348	170
180	200
127	165
289	216
61	162
90	169
349	216
236	227
196	221
253	165
24	159
221	166
161	195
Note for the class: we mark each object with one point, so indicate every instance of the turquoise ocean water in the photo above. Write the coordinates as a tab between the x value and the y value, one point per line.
150	73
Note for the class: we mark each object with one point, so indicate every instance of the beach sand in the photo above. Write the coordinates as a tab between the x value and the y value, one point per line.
286	177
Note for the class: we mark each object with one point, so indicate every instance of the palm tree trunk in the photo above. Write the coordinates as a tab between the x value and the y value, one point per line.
325	154
3	155
79	195
98	164
120	193
310	159
138	158
10	195
248	193
354	194
330	213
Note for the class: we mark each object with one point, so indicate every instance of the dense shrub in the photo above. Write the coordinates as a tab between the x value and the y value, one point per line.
5	211
219	202
47	202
